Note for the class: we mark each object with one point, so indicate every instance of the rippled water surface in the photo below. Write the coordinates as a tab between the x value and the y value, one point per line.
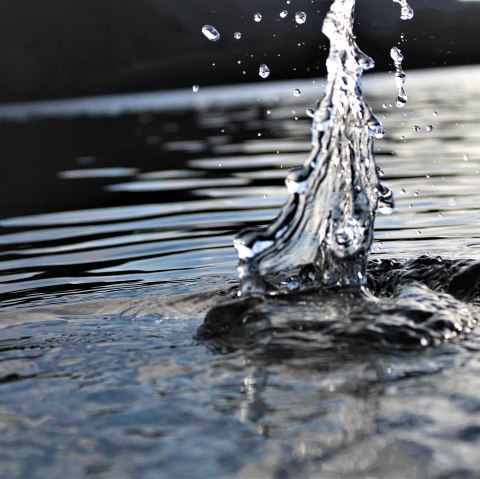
117	221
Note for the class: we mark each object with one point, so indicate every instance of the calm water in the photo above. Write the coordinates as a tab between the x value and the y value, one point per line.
117	221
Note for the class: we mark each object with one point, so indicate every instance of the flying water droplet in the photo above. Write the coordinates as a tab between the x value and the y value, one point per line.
195	88
297	92
429	128
237	35
300	17
211	33
257	17
283	13
396	55
407	11
416	128
310	112
264	71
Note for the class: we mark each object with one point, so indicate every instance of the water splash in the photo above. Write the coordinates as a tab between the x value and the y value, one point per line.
325	230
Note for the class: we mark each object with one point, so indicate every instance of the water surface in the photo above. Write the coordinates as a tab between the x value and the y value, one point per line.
117	221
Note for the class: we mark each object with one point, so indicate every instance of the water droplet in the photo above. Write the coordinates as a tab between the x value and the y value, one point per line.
396	54
264	71
283	13
195	88
407	11
416	128
466	157
386	206
429	128
211	33
310	112
269	112
237	35
257	17
297	92
435	113
300	17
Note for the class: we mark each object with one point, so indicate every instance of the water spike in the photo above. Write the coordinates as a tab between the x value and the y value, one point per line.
324	232
400	76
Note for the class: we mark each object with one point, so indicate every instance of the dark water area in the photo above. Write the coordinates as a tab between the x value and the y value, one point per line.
117	217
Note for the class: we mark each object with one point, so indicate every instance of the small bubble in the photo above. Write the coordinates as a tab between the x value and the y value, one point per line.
264	71
211	33
195	88
237	35
283	13
429	128
257	17
300	17
297	92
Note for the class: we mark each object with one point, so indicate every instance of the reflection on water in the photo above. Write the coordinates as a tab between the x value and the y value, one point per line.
116	241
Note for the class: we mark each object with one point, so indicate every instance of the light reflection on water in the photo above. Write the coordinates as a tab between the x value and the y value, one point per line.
111	264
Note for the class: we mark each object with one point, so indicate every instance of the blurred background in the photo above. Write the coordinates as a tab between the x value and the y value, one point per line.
59	49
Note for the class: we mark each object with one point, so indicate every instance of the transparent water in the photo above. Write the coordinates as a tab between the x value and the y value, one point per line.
324	232
109	273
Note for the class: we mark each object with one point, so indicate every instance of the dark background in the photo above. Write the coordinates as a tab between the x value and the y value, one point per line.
65	48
